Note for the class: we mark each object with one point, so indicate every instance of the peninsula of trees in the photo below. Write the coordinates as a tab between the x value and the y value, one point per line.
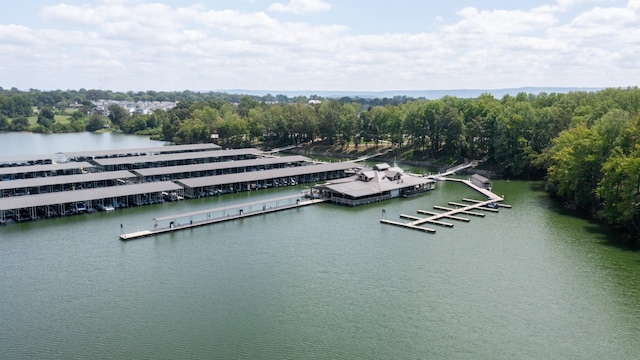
585	145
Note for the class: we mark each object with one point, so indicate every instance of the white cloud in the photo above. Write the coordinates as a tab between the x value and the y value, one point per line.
301	6
125	45
500	21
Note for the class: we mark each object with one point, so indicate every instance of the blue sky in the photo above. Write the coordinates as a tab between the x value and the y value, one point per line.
318	44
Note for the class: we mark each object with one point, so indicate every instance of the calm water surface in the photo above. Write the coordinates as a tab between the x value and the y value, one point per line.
323	281
18	144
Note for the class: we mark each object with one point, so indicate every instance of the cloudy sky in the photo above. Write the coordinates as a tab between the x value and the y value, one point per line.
350	45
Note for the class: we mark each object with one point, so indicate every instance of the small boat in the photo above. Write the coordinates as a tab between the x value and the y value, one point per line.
105	207
80	207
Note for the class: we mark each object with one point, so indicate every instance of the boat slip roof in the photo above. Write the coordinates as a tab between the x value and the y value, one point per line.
39	168
19	202
220	165
65	179
158	149
26	158
176	156
266	174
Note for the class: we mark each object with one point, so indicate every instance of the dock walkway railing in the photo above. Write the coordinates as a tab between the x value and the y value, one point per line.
164	224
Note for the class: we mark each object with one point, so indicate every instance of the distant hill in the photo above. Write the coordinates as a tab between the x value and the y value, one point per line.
427	94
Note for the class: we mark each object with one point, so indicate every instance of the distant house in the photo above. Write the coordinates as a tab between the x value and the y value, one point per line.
481	181
314	102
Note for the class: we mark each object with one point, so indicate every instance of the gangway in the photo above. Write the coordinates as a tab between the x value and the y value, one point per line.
453	170
272	151
367	157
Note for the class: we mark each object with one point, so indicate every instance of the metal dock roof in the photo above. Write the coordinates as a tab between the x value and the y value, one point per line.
49	167
377	185
157	149
266	174
26	158
173	157
220	165
65	179
19	202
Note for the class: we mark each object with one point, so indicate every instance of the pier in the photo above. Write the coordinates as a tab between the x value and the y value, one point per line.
435	218
171	223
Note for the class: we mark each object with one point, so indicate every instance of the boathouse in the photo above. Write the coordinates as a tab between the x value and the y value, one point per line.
481	181
382	182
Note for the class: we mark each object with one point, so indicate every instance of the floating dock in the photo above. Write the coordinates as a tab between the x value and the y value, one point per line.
489	205
171	223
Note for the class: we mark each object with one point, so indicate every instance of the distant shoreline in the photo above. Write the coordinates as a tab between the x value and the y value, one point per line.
427	94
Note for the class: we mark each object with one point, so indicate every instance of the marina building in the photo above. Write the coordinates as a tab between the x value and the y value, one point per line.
383	182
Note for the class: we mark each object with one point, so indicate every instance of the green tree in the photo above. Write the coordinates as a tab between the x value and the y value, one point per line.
328	120
433	116
347	124
134	124
620	189
77	124
117	114
455	137
46	117
255	123
246	104
394	124
4	123
575	169
20	123
76	115
192	131
416	125
95	123
21	105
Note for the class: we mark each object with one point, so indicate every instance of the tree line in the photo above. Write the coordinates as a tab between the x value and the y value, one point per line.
63	98
585	145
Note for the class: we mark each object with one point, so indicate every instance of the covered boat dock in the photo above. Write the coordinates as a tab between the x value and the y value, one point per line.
166	160
51	184
220	168
31	207
221	184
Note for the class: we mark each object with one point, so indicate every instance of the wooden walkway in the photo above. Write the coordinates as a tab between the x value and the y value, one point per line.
171	223
436	218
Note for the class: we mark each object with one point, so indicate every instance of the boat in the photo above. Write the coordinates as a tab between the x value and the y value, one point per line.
105	207
80	207
492	205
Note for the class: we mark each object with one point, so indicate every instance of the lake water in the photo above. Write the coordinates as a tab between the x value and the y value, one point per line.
323	281
18	144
